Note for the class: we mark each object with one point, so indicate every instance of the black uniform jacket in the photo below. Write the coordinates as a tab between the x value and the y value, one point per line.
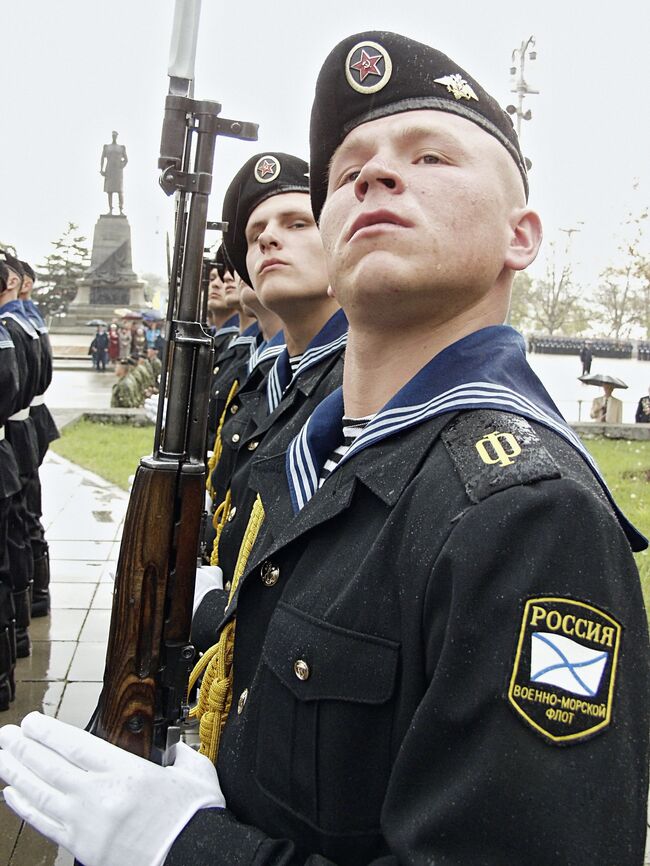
246	411
230	364
9	390
22	434
44	424
257	434
388	705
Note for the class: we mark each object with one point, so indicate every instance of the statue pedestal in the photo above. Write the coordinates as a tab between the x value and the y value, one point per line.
110	281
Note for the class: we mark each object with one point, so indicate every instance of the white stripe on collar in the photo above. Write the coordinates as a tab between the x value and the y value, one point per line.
26	325
310	358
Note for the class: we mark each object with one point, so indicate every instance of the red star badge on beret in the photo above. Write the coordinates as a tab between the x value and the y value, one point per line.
265	167
366	65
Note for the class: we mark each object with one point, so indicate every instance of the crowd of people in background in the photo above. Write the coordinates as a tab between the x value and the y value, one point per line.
26	429
134	352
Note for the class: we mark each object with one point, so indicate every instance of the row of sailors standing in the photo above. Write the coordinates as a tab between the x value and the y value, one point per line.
26	429
279	344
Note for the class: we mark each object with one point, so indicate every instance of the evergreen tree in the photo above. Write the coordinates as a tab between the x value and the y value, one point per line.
58	275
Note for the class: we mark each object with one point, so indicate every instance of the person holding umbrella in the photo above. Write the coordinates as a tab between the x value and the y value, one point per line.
99	347
606	409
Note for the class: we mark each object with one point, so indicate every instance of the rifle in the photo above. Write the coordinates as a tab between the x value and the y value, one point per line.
149	656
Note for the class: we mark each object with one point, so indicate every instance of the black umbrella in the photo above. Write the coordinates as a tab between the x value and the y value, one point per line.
602	379
96	323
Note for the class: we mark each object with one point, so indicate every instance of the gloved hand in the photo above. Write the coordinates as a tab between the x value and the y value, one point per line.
103	804
208	577
150	407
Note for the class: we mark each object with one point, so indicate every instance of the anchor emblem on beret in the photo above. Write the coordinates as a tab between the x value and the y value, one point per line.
368	60
457	86
267	168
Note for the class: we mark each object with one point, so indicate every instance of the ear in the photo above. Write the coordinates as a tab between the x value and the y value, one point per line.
331	293
525	239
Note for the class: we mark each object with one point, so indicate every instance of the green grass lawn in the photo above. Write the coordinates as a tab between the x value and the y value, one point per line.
626	467
114	450
110	450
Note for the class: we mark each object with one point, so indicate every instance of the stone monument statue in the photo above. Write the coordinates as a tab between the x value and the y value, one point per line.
111	167
110	281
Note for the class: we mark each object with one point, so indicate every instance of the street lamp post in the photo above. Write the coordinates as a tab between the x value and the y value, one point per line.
520	87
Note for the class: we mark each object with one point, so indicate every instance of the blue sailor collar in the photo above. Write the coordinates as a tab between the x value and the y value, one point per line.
331	338
251	337
230	326
486	369
5	339
34	316
267	349
16	311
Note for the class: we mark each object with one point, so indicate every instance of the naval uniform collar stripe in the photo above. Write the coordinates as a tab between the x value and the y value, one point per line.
301	466
24	323
496	353
281	378
475	394
266	353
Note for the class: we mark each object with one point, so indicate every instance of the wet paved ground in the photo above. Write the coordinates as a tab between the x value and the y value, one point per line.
83	519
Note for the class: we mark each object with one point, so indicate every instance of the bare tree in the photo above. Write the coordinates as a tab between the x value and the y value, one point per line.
519	312
622	297
554	302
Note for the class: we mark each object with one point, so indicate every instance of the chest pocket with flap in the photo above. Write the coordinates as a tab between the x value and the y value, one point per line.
324	730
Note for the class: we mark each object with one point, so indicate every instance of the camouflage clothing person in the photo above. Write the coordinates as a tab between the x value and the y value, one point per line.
126	391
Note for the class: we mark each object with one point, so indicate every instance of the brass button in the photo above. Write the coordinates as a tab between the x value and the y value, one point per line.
301	669
252	445
227	586
234	409
235	438
241	703
215	371
270	574
232	513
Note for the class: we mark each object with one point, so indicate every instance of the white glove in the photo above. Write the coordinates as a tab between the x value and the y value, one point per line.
103	804
151	408
208	577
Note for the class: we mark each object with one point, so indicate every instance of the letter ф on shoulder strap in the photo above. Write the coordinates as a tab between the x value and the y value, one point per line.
149	656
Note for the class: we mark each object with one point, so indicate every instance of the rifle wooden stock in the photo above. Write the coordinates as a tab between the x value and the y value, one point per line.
149	657
157	563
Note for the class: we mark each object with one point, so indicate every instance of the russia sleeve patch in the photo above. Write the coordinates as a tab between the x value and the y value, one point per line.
562	682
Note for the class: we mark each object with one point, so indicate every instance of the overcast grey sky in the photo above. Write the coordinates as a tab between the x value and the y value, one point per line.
73	70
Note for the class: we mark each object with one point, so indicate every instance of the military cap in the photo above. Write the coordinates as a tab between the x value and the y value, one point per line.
29	271
13	263
262	176
377	74
222	262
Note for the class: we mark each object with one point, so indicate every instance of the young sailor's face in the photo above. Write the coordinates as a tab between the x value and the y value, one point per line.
285	258
216	291
419	211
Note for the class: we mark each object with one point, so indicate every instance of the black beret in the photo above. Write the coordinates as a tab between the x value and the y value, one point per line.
222	262
376	74
262	176
13	263
29	271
